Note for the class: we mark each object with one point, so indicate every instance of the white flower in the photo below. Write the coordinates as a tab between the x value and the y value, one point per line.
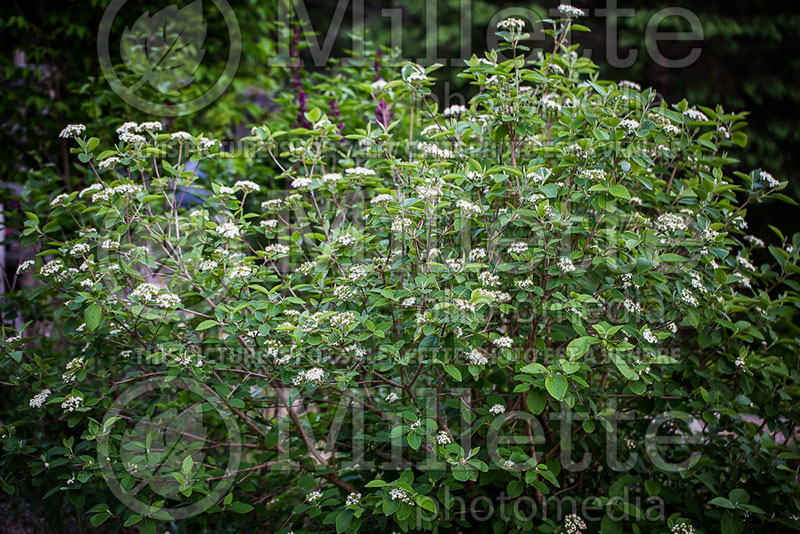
570	11
205	143
400	494
511	24
167	301
769	179
497	409
629	125
688	298
508	464
566	265
453	111
392	397
354	499
109	244
300	183
228	230
488	279
181	137
429	149
401	224
132	138
51	268
346	240
25	266
152	126
307	267
108	163
407	303
518	248
378	84
574	524
72	130
649	336
683	528
454	264
79	249
240	270
60	200
417	75
247	186
382	199
504	342
442	438
144	292
631	306
314	496
71	403
467	207
39	399
359	171
695	115
476	357
593	175
331	177
745	263
207	265
128	127
627	84
276	249
668	222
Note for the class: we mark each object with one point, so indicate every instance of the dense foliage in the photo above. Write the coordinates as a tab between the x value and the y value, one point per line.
563	261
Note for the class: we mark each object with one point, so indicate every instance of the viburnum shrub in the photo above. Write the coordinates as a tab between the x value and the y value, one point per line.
544	300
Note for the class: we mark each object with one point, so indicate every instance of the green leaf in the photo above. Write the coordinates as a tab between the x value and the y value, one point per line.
556	385
91	316
721	501
536	401
240	507
620	191
205	325
453	371
731	524
377	483
578	347
343	520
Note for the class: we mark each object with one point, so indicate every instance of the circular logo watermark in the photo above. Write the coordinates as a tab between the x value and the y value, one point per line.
159	438
161	53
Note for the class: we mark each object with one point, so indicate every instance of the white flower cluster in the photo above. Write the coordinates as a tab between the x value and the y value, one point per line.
417	75
392	397
593	175
769	179
504	342
570	11
467	207
574	524
109	163
695	115
72	130
454	110
430	149
627	84
399	494
401	224
276	249
683	528
497	409
649	336
669	222
314	496
73	366
688	298
382	199
566	265
442	438
354	499
629	125
39	399
511	24
315	375
359	171
632	306
518	248
247	186
228	230
476	357
71	403
144	292
486	278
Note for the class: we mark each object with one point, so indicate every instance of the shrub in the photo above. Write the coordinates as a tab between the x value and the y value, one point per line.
406	338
